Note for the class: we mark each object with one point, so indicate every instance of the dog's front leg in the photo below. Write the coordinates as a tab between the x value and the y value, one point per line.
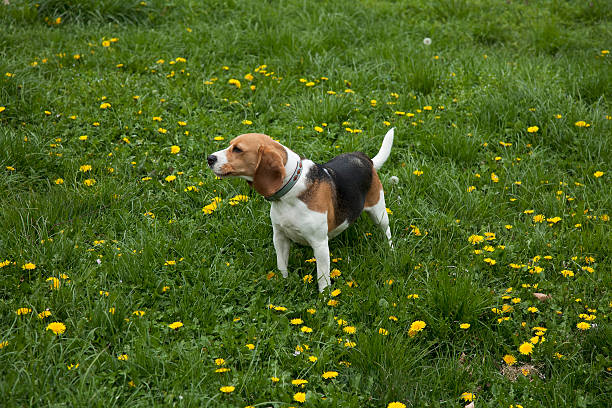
281	245
321	253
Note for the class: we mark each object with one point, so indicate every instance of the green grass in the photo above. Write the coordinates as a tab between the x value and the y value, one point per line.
493	70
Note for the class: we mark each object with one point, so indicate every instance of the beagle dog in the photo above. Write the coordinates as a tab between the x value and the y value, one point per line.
310	202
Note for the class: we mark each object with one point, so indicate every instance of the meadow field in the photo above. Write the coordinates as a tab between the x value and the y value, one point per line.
131	276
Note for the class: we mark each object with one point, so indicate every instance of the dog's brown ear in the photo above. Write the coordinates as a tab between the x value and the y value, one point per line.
270	171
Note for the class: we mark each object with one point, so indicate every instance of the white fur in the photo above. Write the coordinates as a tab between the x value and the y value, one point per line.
221	160
378	214
292	220
385	150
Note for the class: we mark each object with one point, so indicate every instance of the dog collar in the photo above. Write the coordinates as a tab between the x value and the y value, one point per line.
287	187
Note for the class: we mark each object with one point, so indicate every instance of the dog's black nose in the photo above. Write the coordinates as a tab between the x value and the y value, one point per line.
212	159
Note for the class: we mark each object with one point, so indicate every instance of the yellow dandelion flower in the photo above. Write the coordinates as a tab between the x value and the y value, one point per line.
44	314
298	382
349	329
329	374
598	174
467	396
417	326
175	149
54	283
296	321
526	348
175	325
299	397
533	129
464	326
475	239
23	311
56	327
509	359
227	389
490	261
396	404
583	326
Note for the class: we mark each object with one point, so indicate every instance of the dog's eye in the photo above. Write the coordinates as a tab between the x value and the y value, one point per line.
236	149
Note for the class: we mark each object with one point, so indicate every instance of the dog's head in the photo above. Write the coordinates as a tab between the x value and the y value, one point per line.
254	157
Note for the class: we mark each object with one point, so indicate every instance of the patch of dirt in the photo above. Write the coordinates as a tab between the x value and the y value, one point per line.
525	370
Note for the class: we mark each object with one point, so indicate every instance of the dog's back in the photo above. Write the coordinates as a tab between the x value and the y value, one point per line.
351	177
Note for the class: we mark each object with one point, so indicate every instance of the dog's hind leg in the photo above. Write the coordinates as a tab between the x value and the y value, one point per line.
378	214
321	253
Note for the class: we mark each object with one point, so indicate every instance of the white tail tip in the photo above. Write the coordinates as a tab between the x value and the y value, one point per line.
385	150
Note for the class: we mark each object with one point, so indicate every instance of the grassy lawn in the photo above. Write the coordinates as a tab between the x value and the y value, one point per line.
113	229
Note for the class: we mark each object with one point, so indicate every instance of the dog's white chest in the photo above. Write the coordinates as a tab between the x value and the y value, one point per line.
297	222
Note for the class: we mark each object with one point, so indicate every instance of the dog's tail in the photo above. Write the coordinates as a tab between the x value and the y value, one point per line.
385	150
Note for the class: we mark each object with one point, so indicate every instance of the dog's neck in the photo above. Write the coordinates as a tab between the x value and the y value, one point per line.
292	162
293	175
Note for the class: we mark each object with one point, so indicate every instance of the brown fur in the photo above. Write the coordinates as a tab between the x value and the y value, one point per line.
319	197
261	158
374	192
269	172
